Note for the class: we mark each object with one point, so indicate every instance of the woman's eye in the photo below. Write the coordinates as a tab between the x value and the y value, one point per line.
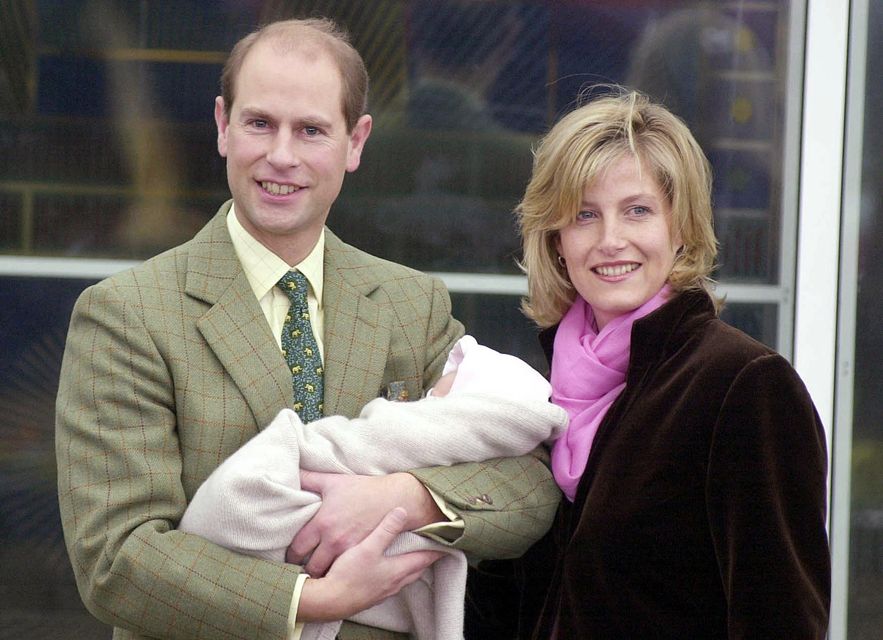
640	210
586	215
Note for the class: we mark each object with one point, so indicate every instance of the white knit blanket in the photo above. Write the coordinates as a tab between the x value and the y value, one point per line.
253	504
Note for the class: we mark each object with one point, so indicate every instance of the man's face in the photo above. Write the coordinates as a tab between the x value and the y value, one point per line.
287	146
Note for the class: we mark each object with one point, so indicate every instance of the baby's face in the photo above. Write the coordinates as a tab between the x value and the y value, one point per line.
444	384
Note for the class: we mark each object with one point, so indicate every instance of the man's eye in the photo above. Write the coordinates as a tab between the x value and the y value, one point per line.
259	124
311	131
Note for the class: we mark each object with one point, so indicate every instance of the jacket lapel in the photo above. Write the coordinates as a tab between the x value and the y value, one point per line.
357	331
234	326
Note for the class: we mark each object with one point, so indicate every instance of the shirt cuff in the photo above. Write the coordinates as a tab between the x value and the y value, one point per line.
295	628
444	532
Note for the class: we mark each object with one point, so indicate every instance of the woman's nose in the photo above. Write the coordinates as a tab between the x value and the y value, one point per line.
611	234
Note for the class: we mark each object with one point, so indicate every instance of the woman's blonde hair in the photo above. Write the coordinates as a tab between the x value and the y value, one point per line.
579	148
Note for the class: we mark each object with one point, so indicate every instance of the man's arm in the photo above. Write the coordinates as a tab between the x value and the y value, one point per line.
121	494
344	591
254	503
355	501
506	504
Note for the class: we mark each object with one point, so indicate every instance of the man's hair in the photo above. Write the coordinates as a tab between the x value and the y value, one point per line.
577	150
312	33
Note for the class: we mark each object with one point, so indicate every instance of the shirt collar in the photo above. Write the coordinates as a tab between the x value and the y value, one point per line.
263	268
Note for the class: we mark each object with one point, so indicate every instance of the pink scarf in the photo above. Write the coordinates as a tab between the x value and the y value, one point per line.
588	374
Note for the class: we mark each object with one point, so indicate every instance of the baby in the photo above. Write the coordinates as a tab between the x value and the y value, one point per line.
485	405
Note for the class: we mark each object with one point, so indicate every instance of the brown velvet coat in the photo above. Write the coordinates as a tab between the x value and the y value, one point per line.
701	512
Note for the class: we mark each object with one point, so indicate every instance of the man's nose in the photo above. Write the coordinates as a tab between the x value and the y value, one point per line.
283	151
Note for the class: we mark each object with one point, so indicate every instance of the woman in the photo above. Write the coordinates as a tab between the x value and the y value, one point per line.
694	467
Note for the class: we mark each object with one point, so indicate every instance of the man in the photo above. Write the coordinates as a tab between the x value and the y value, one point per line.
172	366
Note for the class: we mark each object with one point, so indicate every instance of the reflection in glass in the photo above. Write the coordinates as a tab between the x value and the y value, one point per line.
113	116
37	586
109	151
865	612
760	321
497	322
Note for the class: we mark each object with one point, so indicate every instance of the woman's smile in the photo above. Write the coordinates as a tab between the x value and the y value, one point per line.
619	250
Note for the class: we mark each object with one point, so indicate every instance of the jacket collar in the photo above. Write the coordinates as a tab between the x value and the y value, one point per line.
233	326
357	329
652	333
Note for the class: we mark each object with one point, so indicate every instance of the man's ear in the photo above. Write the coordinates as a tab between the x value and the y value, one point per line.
357	138
223	123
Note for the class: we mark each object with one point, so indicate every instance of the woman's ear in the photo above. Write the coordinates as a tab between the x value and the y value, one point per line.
678	241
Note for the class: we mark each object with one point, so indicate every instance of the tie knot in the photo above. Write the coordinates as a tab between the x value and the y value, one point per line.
294	284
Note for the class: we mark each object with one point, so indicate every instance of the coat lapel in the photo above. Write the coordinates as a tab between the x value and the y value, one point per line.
357	331
234	326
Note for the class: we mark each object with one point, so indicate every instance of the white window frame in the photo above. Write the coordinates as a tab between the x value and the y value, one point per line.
828	207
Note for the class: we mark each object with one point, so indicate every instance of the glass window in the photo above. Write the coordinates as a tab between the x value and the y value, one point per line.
865	587
111	145
37	589
109	151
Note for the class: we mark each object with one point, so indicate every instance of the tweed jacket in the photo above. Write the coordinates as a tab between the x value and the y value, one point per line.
701	512
171	367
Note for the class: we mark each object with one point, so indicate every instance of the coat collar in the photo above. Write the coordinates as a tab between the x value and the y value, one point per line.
233	326
657	334
357	329
212	264
653	332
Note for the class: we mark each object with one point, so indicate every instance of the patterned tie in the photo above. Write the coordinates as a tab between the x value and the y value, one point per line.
300	349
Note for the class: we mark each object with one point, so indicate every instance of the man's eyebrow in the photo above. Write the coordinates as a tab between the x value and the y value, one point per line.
314	121
253	112
311	120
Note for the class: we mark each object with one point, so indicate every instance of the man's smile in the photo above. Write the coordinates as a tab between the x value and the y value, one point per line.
278	189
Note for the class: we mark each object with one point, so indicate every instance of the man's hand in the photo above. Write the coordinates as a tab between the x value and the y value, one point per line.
362	576
352	507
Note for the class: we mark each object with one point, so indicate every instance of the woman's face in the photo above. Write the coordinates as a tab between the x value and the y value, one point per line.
619	250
